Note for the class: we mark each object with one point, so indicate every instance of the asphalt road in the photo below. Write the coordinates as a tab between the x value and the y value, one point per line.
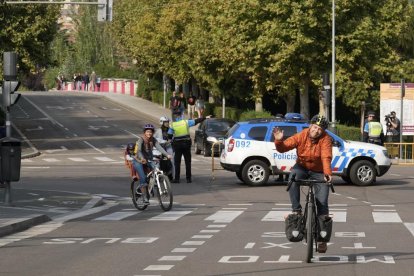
216	227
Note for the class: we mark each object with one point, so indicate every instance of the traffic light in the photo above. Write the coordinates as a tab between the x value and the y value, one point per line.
9	97
105	10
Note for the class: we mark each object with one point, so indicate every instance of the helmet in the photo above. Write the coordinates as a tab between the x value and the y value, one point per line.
130	146
371	113
150	127
164	119
320	120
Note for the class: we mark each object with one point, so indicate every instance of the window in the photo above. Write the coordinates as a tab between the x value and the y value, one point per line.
288	131
258	133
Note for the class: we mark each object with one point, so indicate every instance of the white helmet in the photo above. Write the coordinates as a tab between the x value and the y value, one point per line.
164	119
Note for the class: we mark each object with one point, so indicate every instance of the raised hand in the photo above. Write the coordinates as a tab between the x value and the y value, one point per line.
278	134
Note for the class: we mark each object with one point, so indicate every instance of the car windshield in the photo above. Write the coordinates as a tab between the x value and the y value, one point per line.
219	126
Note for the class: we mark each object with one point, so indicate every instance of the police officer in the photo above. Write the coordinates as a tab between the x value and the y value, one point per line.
180	129
373	132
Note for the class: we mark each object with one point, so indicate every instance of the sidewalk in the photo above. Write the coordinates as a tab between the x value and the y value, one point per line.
32	207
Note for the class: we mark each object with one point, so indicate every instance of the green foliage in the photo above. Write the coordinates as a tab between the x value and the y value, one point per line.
251	114
349	132
50	78
231	112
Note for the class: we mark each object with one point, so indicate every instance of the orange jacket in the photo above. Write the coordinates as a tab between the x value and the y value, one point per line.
316	157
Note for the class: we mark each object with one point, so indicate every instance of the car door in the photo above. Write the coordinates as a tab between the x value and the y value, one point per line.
282	162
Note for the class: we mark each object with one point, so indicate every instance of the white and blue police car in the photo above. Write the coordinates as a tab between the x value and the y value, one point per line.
250	152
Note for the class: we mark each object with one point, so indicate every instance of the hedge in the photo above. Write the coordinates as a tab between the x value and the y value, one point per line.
349	132
251	114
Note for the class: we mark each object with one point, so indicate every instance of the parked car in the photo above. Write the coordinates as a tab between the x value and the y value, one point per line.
250	152
214	128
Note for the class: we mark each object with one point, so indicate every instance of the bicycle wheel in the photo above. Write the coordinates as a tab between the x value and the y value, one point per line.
309	233
164	193
136	196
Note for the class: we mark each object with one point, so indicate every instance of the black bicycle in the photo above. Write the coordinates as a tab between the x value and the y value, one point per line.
158	185
310	215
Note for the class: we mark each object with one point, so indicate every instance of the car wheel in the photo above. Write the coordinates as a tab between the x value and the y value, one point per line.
255	173
362	173
196	149
346	179
207	151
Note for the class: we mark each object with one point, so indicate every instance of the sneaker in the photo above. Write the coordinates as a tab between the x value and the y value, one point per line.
322	247
145	199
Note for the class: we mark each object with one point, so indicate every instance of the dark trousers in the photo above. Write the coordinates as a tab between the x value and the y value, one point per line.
182	148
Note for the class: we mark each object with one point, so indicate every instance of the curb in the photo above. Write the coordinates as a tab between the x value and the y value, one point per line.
21	224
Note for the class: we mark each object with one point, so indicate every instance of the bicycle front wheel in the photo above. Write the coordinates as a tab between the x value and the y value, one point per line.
137	197
164	193
309	233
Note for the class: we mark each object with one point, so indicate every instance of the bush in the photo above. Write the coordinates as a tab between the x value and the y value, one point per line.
50	78
231	113
349	132
251	114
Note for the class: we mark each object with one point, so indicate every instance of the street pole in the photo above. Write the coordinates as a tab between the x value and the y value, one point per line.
333	120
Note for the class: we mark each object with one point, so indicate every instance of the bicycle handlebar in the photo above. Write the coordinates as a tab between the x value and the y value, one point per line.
308	182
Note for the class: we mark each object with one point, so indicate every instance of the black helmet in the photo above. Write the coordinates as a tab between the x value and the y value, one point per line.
371	113
320	120
130	146
149	127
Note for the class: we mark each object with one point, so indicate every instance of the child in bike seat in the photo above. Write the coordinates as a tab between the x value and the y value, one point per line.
129	157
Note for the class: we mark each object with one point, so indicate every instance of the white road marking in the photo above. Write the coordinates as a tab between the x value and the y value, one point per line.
183	249
117	215
171	215
338	216
78	159
391	205
216	225
381	217
210	231
36	167
62	148
27	161
193	243
383	210
249	245
201	236
105	159
224	216
92	146
172	258
410	227
240	204
159	267
367	202
350	197
50	159
275	216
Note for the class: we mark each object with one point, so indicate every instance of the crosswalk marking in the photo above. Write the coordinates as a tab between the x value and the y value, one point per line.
117	215
51	159
78	159
171	215
386	217
338	216
275	216
224	216
104	159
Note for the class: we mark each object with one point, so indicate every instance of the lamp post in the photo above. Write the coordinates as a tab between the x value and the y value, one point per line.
333	119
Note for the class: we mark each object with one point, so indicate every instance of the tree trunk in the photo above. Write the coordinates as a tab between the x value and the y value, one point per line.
258	105
290	101
322	107
304	100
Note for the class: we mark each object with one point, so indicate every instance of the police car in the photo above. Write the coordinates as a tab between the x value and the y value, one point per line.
250	152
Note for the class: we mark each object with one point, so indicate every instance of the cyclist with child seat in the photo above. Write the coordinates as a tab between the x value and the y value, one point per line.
129	157
314	157
144	147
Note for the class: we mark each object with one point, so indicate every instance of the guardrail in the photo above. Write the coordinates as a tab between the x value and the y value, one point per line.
407	151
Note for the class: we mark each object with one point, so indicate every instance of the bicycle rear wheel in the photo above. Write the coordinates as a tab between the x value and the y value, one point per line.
309	233
164	193
137	197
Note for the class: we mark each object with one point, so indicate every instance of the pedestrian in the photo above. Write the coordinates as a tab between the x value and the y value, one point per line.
98	83
200	106
86	81
93	81
393	127
180	129
79	81
174	104
373	132
183	103
191	106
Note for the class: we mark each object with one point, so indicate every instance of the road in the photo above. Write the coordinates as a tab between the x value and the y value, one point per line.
216	227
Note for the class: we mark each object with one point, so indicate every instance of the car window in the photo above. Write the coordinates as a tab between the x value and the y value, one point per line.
201	126
232	130
288	131
258	133
216	126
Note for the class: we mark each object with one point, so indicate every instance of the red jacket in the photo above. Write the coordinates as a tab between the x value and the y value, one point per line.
316	157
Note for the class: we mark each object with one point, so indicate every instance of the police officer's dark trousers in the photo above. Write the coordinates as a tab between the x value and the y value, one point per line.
182	147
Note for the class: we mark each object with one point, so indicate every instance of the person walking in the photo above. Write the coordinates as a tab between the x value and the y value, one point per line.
200	106
93	81
174	104
191	106
180	130
86	81
98	83
373	131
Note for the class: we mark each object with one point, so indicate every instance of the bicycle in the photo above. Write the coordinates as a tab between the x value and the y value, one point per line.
310	214
158	185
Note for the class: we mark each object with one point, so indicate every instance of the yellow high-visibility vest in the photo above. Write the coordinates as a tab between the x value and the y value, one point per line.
180	128
374	129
